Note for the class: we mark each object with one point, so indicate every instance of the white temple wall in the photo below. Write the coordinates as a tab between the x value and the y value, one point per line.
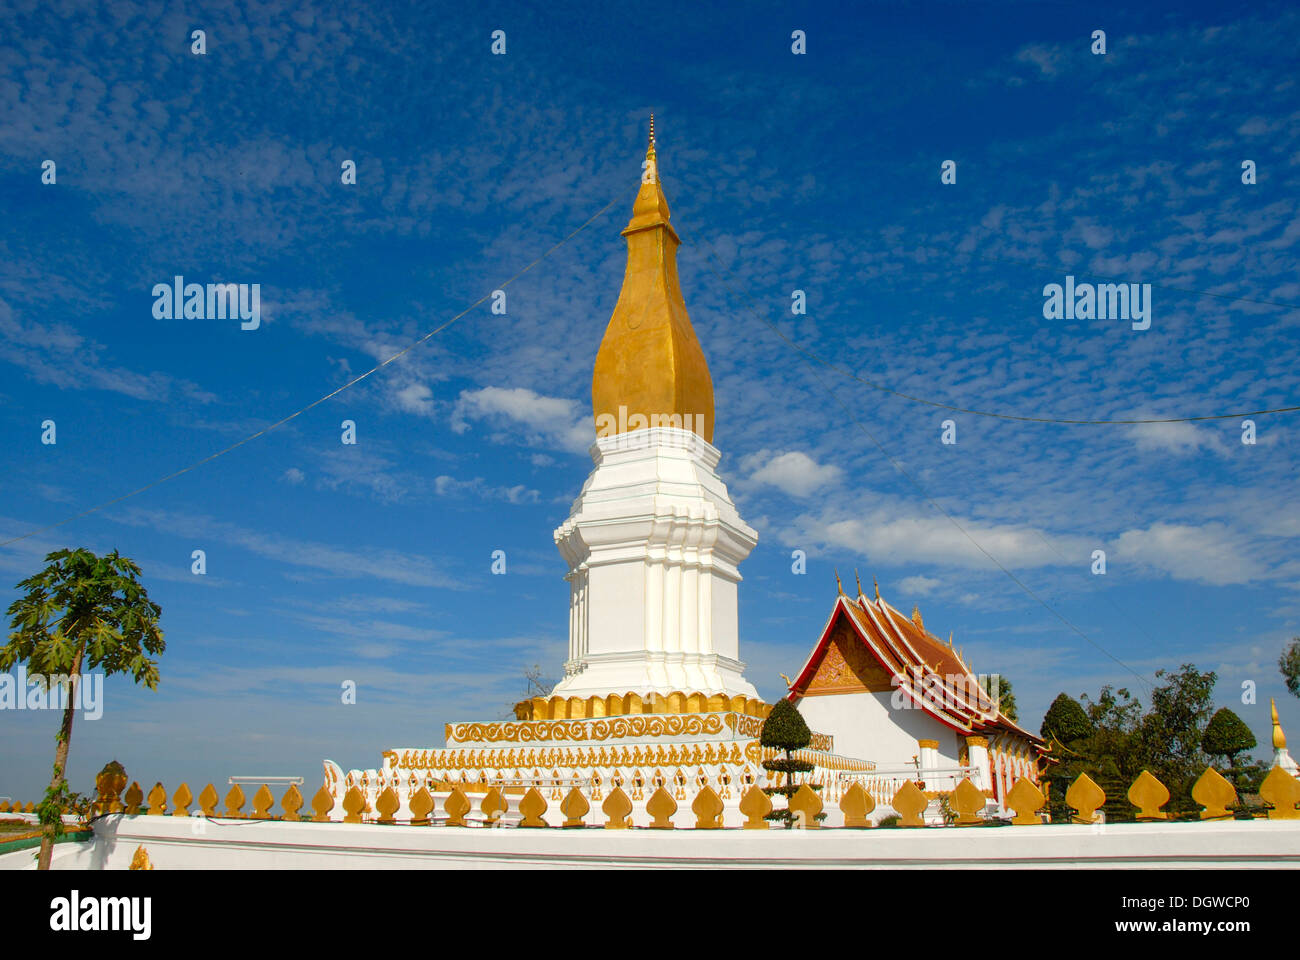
616	606
867	727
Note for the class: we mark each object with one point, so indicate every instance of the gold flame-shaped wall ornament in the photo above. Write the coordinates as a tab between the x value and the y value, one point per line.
1215	795
856	804
1086	798
910	803
1026	799
806	805
574	807
650	365
1148	794
755	805
967	801
661	806
707	809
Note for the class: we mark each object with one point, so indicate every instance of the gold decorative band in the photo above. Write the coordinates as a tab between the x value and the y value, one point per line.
746	726
572	758
931	744
632	704
541	731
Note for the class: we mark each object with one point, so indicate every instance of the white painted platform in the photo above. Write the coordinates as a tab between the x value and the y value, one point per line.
179	843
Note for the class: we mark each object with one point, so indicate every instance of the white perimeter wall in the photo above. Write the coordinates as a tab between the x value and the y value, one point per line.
174	844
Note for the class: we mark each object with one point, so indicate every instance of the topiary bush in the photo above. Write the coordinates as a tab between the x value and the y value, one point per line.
785	729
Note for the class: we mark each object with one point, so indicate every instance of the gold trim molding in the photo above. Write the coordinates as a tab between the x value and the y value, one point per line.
571	758
633	704
615	728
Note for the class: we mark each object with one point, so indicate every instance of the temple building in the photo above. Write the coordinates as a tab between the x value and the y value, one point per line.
654	692
884	687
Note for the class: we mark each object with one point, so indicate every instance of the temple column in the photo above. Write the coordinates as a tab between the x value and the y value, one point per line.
929	755
977	750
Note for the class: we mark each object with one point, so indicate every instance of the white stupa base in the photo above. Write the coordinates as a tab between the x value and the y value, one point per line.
653	544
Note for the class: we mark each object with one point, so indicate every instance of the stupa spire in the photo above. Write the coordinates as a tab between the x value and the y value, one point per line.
650	369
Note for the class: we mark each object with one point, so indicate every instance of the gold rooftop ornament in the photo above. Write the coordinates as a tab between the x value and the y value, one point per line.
650	369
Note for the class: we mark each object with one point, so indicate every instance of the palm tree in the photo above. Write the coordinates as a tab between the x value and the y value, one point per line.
81	613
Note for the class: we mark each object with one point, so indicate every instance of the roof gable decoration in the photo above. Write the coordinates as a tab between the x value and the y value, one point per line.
922	670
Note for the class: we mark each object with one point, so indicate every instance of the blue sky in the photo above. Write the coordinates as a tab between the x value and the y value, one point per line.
370	563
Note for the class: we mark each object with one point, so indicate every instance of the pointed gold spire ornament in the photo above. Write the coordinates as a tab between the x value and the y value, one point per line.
650	369
857	580
1279	737
875	583
839	587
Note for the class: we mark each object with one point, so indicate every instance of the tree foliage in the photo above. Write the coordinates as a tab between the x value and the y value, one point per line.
999	688
1226	736
785	729
1289	665
1065	721
1113	739
83	613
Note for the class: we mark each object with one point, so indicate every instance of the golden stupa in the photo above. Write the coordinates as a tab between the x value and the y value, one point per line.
650	369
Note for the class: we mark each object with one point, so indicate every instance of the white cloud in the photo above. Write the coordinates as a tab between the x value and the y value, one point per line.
1047	59
293	475
415	398
793	472
1177	438
553	421
896	537
450	487
1208	554
918	585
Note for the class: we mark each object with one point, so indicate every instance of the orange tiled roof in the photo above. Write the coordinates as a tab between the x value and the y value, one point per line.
925	668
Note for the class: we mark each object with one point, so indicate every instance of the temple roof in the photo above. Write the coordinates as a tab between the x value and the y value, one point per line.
930	672
650	362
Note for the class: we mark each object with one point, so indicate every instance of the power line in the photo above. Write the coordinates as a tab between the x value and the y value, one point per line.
315	403
937	506
809	354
